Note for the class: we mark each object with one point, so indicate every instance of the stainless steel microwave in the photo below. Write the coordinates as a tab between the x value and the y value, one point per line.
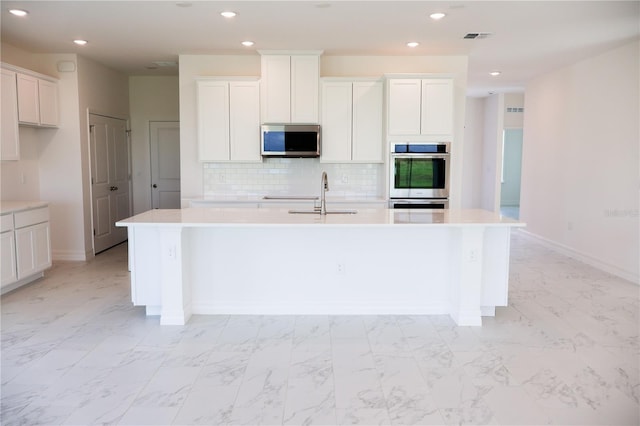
290	140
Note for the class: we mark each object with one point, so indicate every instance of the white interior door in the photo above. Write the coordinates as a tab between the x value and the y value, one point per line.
110	180
165	164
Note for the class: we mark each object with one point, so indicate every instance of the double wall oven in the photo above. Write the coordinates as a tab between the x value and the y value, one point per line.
419	175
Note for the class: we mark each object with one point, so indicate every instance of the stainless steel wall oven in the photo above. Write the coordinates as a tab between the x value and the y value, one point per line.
419	175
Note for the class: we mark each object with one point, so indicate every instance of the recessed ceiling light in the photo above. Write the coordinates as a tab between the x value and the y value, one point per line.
438	15
80	42
413	44
247	43
228	14
18	12
495	73
184	4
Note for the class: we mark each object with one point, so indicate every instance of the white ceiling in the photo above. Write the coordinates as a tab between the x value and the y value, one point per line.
527	37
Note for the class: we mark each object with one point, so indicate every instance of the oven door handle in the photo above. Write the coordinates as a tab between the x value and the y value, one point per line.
416	155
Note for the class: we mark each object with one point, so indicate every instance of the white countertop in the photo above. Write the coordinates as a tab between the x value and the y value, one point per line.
214	217
284	198
7	207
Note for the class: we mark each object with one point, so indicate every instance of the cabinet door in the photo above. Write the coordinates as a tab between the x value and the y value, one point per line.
8	258
437	107
28	104
276	88
9	144
42	246
367	122
48	103
305	73
404	106
213	120
33	250
244	116
336	121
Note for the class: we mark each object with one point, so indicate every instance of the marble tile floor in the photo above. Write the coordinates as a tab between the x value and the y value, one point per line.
565	351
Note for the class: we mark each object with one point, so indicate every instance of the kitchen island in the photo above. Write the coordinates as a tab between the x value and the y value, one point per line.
269	261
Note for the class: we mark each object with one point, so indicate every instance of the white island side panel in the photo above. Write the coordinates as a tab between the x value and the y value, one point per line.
327	271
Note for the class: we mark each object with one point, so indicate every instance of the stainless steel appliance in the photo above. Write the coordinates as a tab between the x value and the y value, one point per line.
290	140
419	203
419	175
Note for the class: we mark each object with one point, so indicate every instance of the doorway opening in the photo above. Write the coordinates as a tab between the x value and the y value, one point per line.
511	173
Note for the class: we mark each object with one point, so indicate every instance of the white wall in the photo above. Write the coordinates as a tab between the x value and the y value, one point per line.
192	66
61	170
20	180
473	151
104	91
151	98
492	151
56	161
513	119
580	159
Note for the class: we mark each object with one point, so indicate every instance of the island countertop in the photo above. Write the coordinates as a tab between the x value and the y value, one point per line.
267	261
214	217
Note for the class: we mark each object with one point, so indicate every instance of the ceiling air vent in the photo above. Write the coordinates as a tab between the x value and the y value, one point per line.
473	36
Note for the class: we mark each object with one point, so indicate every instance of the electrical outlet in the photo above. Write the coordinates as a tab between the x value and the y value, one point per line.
222	178
473	255
345	178
342	268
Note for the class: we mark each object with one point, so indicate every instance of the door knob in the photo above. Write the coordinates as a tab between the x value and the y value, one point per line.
113	188
154	185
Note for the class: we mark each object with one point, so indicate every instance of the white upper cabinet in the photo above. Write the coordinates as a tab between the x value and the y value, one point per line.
37	101
305	75
336	121
228	120
352	115
9	144
244	120
367	121
48	102
420	106
437	107
26	100
290	88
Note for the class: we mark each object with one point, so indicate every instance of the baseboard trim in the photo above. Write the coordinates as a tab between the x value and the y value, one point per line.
582	257
69	255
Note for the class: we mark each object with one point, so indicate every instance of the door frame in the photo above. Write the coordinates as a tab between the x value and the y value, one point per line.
127	121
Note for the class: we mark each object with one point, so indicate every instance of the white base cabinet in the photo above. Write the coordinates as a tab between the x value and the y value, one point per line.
8	256
25	242
32	249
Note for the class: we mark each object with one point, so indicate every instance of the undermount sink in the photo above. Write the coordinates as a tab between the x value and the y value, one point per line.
318	212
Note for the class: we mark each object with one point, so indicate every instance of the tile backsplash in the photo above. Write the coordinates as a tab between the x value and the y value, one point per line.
292	176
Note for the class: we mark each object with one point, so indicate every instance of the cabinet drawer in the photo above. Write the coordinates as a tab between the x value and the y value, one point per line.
31	217
6	222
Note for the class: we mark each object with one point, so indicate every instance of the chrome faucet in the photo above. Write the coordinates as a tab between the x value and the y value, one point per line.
324	187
